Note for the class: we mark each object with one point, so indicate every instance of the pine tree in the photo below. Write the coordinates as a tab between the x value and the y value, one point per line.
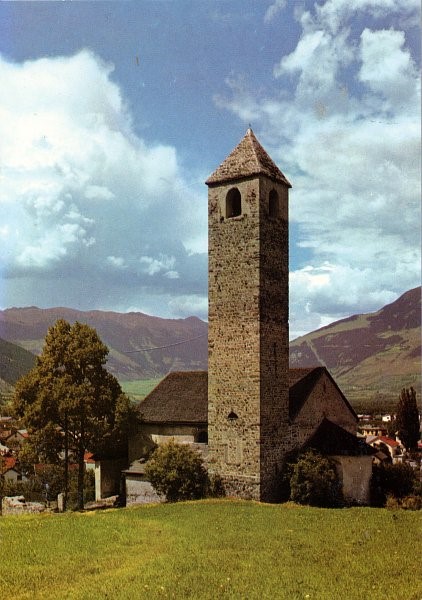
407	419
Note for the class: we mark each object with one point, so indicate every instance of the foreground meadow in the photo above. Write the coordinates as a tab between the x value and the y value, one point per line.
213	549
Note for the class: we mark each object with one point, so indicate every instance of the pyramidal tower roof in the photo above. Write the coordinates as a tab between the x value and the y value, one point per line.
248	159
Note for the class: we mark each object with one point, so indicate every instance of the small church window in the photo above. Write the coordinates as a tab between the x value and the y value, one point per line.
202	437
233	203
273	204
232	416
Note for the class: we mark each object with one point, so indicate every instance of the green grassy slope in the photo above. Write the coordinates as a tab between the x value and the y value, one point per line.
371	356
213	549
14	362
137	390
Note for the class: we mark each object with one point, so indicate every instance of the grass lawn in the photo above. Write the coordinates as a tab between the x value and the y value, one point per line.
213	549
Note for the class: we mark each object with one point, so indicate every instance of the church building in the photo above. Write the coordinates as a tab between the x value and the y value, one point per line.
250	410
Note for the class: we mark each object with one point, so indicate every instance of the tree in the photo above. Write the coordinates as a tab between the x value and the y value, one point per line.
314	481
177	472
407	419
69	401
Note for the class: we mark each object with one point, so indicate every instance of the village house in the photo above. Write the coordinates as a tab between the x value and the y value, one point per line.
16	437
377	430
393	449
10	470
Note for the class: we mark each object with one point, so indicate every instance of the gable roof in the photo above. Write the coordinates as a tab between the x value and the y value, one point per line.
301	384
9	464
248	159
332	440
389	441
181	397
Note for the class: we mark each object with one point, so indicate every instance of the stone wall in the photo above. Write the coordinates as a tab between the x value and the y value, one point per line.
108	476
139	491
16	505
355	473
248	337
324	401
150	434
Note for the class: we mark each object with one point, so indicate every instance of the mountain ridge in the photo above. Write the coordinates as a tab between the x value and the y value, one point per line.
371	355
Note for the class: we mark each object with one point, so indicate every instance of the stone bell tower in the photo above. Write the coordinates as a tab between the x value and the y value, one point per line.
248	366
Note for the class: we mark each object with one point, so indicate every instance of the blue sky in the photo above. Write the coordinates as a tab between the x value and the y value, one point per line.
114	113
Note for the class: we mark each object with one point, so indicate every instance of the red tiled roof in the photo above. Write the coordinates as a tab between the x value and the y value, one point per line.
389	441
89	457
8	462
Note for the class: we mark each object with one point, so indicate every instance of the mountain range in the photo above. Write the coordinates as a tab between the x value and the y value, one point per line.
370	355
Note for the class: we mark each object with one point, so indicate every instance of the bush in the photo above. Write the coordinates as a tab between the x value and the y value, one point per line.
314	481
398	480
177	472
48	483
215	487
412	502
31	490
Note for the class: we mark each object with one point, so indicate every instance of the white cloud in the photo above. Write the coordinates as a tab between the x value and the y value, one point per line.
344	127
81	193
332	14
186	304
273	10
152	266
172	275
116	261
387	68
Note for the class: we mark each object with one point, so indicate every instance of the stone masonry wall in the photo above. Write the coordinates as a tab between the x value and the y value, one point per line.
324	401
274	334
16	505
247	338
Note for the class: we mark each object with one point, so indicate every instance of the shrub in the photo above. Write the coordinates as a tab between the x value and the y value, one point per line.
177	472
215	487
314	481
411	502
398	480
47	484
31	489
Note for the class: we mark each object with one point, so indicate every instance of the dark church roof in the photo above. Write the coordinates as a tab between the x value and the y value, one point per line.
301	384
182	396
332	440
248	159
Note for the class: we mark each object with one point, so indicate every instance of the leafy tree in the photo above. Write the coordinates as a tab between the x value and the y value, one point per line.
314	481
69	401
177	472
407	419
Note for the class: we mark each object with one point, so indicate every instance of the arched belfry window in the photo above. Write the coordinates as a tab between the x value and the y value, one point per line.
273	204
233	203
